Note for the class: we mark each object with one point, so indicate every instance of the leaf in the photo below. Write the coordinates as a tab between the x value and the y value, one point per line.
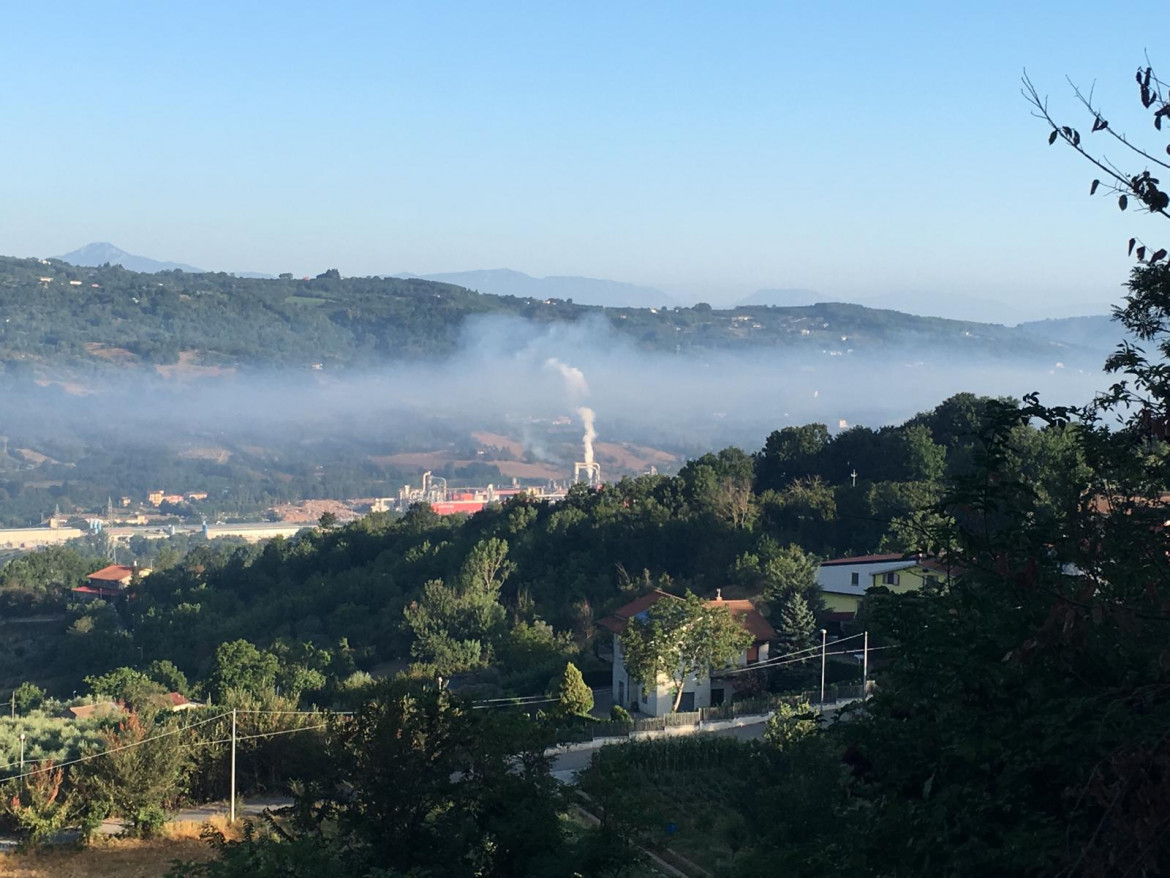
1141	253
1093	188
1123	202
1052	138
927	787
1158	122
1132	241
1158	254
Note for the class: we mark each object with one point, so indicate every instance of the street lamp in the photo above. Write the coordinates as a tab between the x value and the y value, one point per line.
824	635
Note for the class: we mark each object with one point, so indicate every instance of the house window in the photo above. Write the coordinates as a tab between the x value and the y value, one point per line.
855	579
621	692
645	696
688	702
889	579
753	655
716	697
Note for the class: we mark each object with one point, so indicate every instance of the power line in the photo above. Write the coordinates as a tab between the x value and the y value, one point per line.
89	756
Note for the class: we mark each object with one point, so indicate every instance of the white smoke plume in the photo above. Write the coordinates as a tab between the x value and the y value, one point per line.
574	378
578	387
586	415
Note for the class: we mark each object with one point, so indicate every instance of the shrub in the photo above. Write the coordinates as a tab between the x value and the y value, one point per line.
619	714
789	724
36	802
149	820
28	696
573	696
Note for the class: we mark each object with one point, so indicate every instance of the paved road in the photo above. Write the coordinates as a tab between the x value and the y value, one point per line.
566	765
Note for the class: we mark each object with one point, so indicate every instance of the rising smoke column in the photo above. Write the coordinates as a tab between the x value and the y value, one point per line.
578	387
590	434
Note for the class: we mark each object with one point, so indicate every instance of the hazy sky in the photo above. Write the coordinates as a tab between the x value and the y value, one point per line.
852	148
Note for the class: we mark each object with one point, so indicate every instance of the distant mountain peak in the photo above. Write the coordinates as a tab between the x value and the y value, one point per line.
101	252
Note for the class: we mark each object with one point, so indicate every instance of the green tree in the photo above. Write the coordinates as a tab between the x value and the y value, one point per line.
133	688
165	673
241	666
455	627
790	453
789	570
796	626
28	696
574	698
681	639
922	459
142	772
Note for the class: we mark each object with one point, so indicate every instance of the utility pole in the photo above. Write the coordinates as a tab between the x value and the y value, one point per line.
22	757
233	793
853	475
865	669
824	635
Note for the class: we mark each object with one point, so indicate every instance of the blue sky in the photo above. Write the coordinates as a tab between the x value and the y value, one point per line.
858	149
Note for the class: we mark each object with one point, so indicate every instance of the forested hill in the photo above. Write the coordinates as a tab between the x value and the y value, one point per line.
55	316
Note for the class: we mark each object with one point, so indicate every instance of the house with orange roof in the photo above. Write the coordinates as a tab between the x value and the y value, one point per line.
111	581
711	690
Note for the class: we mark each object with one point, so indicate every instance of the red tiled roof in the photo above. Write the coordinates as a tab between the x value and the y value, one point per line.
113	573
746	614
743	611
617	622
870	559
99	591
102	708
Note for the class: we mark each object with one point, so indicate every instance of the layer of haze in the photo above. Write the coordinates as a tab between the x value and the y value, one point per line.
516	377
856	149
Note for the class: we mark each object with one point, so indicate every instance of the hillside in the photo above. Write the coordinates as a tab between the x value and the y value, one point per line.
58	317
582	290
1099	333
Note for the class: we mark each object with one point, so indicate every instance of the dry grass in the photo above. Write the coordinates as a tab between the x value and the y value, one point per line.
114	857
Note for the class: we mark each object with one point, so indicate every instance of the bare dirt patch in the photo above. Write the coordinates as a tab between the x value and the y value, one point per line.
419	459
208	452
515	469
312	510
34	457
189	367
498	440
113	858
110	353
632	458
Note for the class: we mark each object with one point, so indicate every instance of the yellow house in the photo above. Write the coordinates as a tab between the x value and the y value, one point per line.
844	581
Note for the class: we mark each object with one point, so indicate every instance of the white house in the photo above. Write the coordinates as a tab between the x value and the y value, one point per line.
844	581
659	699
